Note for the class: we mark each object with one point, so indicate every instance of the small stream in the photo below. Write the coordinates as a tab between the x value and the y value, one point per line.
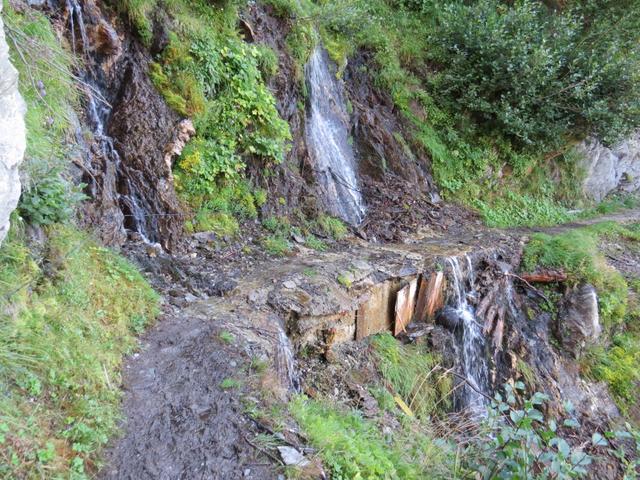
473	343
327	133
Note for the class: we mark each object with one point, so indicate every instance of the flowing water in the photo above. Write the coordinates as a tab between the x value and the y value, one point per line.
98	111
285	360
327	132
474	362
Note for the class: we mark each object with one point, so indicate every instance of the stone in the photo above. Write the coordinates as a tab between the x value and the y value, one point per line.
430	297
578	324
376	313
290	284
449	318
291	456
12	135
610	168
405	303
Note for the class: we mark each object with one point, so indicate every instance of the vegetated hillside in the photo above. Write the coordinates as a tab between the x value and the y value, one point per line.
489	97
478	102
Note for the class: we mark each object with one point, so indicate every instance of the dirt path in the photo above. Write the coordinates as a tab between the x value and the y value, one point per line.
620	217
181	424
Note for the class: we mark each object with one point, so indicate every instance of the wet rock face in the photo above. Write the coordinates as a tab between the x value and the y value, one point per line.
12	135
135	134
143	126
578	323
378	132
611	168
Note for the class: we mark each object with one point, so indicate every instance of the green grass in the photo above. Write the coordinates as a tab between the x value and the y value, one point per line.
230	384
65	326
48	87
332	227
227	337
276	245
577	253
352	447
413	374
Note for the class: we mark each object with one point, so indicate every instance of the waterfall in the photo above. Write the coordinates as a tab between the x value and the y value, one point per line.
98	111
474	361
327	136
285	360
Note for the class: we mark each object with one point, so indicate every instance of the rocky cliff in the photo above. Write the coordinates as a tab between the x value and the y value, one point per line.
611	168
12	135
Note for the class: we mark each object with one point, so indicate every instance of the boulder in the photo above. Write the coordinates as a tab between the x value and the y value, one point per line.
12	135
578	323
610	168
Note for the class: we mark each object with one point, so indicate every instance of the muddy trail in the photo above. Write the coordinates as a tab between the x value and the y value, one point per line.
185	416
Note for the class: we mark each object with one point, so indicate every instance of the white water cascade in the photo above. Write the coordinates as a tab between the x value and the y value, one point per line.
474	361
98	111
327	128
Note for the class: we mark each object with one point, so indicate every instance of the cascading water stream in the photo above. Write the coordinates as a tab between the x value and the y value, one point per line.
328	140
474	361
98	111
285	360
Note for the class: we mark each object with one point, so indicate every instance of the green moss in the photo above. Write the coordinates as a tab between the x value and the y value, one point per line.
138	13
63	333
220	223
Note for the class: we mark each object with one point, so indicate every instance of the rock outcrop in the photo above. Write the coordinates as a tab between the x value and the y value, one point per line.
611	168
578	320
12	135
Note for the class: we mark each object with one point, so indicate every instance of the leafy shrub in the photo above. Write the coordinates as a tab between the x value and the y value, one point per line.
50	199
535	74
209	73
521	443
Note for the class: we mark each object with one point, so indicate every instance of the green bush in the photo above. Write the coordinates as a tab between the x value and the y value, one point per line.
539	75
518	442
49	199
209	73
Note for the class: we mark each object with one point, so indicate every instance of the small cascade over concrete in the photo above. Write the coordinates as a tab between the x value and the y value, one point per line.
327	133
98	111
469	332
